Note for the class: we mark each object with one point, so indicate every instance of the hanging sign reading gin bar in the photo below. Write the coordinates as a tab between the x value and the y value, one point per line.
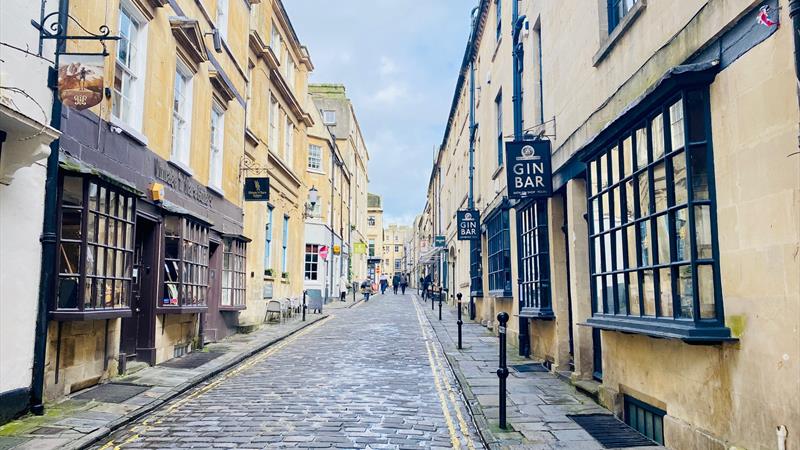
469	225
528	171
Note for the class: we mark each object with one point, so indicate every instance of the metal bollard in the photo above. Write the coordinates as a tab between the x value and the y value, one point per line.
440	306
502	370
304	306
432	302
460	322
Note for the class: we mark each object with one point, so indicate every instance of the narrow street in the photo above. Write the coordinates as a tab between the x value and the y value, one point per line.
367	377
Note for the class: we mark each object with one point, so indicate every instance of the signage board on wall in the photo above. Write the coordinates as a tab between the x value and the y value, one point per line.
440	241
256	189
80	80
267	290
337	249
529	173
359	248
469	225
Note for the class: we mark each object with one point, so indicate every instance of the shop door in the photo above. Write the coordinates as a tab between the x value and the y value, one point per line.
138	330
214	323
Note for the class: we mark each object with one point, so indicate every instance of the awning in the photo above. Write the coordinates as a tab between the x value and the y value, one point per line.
432	255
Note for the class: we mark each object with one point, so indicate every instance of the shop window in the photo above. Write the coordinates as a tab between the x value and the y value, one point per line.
475	269
652	225
312	262
233	272
645	418
534	260
95	246
499	254
185	263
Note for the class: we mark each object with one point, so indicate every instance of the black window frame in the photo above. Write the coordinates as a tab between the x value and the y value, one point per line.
615	15
644	418
234	273
475	268
311	262
498	238
499	18
195	265
608	312
498	105
533	254
123	268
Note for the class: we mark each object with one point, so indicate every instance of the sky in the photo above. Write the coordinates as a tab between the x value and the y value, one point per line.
399	60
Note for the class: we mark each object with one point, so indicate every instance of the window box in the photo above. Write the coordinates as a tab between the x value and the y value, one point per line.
285	275
652	217
186	254
95	249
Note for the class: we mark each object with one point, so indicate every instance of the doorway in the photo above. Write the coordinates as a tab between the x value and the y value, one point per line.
137	340
213	324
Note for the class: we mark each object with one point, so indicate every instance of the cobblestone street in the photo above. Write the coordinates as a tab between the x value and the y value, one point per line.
367	377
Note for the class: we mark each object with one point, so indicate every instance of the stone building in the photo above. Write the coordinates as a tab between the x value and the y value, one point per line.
374	236
395	249
659	274
25	136
338	114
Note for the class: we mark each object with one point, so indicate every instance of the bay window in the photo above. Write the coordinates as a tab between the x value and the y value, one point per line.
499	254
655	263
185	264
95	248
233	272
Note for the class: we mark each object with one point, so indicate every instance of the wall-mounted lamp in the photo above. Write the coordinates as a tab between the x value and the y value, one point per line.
311	204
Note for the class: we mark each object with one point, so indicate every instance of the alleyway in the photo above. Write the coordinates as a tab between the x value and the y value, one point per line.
368	377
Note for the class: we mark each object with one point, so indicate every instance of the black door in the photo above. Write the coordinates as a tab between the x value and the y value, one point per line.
136	340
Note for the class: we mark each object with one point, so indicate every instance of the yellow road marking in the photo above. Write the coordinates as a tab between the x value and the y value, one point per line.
144	425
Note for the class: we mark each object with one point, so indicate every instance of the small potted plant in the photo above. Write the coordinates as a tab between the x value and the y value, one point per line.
285	275
268	273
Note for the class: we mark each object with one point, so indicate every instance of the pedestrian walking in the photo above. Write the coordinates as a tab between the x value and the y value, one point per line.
384	283
426	284
403	283
343	288
395	283
366	289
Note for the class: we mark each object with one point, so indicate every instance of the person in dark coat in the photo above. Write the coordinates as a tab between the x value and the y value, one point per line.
403	283
395	283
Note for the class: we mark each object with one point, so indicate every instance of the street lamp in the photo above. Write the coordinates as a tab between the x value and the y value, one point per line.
313	198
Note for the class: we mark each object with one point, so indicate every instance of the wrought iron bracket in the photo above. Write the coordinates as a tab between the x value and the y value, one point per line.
250	167
52	29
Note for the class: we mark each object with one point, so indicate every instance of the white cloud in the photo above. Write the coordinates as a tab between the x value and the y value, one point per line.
387	66
389	94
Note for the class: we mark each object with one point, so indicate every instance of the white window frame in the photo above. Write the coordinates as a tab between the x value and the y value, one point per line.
275	41
273	124
217	147
315	158
182	118
128	107
222	19
329	116
288	145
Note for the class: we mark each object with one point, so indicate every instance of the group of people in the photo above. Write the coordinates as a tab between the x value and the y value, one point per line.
399	283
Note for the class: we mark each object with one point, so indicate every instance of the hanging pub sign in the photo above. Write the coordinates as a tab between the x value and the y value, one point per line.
469	225
439	241
359	248
256	189
80	80
529	173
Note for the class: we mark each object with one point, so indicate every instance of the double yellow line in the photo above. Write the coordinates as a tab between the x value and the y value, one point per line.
157	419
444	388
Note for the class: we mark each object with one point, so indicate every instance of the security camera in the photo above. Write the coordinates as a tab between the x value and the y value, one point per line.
115	129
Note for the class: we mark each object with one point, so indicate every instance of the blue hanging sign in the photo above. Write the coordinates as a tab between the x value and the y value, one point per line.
469	225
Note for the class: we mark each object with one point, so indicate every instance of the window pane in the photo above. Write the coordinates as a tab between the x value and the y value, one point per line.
679	178
627	156
665	290
70	257
72	193
91	226
699	161
622	294
603	169
70	223
705	287
683	243
644	242
660	186
662	226
633	292
171	248
630	200
630	261
685	292
702	223
676	124
68	292
641	148
657	133
613	159
695	108
644	195
649	293
593	178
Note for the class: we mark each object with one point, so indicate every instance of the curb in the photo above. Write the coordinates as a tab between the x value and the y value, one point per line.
178	390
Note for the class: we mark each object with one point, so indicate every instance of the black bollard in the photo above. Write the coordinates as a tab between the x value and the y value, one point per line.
304	306
502	371
440	306
432	302
460	322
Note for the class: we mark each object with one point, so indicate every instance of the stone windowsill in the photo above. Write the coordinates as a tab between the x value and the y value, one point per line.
618	32
129	131
181	166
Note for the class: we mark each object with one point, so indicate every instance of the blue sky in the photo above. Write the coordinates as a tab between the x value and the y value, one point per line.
399	60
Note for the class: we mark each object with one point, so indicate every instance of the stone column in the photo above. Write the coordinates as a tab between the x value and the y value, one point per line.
578	241
559	293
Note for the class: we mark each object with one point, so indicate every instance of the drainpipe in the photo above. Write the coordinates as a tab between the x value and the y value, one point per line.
49	236
794	14
518	54
473	128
